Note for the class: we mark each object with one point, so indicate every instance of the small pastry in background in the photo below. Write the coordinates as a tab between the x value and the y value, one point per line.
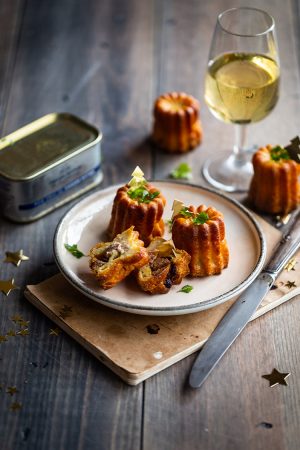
140	204
201	233
275	186
177	126
167	266
111	262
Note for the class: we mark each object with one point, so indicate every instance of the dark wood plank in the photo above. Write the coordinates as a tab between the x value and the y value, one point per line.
11	15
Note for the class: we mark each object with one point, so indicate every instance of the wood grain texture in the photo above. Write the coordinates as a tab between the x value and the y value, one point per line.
107	61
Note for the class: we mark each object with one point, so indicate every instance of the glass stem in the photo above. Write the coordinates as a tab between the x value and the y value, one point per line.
240	140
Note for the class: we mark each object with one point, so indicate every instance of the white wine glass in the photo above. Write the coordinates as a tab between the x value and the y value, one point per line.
241	87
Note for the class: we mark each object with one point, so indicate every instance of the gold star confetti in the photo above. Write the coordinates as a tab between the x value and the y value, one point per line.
276	377
11	333
2	338
23	332
7	285
23	323
11	390
16	318
15	406
290	284
54	331
65	312
15	257
290	265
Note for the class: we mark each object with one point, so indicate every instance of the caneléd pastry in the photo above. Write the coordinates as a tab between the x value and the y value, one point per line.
111	262
201	233
167	266
275	186
138	204
177	126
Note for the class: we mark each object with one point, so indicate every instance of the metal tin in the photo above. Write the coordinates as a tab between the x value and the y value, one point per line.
46	164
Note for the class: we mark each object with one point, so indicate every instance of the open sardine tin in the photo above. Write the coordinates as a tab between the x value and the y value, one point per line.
46	164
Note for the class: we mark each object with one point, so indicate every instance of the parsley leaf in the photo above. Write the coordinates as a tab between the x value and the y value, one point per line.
201	218
183	172
142	195
186	289
74	250
185	212
278	153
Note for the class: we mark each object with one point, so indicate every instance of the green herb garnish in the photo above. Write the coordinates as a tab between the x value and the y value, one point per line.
186	289
142	195
74	250
201	218
185	212
278	153
198	219
183	172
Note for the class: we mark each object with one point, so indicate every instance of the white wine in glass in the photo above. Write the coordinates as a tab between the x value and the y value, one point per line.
241	87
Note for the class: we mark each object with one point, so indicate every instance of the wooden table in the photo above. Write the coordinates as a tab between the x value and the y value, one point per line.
107	61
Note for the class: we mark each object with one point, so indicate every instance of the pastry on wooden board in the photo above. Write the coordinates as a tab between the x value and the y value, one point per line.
275	186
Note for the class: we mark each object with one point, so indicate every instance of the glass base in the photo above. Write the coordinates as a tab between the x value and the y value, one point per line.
229	173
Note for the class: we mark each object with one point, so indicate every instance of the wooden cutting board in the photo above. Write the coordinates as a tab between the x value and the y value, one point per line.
136	347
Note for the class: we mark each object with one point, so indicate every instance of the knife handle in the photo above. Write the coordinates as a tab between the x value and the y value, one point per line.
287	246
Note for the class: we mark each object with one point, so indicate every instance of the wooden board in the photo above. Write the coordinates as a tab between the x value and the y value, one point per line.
136	347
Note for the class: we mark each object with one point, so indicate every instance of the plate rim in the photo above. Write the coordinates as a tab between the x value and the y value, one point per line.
156	310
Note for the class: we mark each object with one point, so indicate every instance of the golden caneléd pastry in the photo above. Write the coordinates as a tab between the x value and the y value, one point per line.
111	262
167	266
138	204
201	233
177	126
275	186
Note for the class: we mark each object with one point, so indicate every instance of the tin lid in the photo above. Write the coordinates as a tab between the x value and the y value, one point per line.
44	143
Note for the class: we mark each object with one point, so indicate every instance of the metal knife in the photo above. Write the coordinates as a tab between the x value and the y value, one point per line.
242	310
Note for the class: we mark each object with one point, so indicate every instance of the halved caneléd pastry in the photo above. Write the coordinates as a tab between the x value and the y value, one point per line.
167	266
275	186
201	233
140	204
111	262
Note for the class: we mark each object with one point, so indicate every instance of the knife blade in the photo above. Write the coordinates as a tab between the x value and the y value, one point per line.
245	306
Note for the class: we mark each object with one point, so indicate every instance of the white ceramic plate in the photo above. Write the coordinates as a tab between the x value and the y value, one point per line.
85	225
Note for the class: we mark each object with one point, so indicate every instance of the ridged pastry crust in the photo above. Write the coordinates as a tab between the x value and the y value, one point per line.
145	217
167	266
205	243
111	262
177	127
275	186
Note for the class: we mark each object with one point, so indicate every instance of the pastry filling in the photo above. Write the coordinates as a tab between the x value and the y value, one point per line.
113	251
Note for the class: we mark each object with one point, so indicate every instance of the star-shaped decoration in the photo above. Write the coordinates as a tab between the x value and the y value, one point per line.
7	285
290	265
11	390
15	406
290	284
23	332
294	149
65	312
2	338
17	318
276	377
16	257
54	331
11	333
